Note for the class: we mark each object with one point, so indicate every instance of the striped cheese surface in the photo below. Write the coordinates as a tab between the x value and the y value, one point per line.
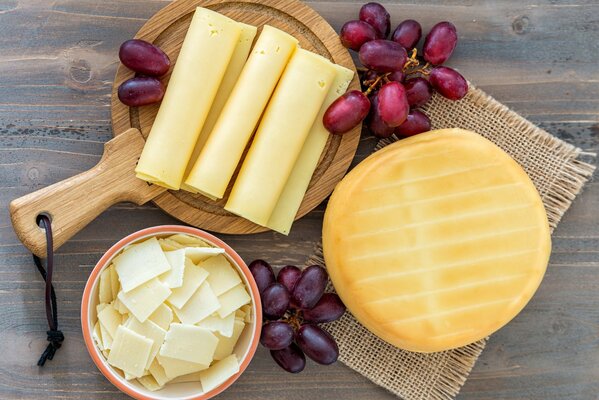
436	241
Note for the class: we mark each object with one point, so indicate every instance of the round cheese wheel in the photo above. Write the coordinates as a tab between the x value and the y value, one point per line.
436	241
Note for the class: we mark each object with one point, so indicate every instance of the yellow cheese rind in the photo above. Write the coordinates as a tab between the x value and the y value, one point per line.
444	241
238	59
281	135
197	74
293	193
225	145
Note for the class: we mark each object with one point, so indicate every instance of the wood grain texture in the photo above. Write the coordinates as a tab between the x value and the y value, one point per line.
167	30
74	202
57	63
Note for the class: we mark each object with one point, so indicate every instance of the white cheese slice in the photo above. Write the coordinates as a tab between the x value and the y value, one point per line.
169	245
193	277
105	286
215	323
248	312
139	263
189	343
145	299
226	345
240	314
199	254
163	316
151	331
130	351
110	319
114	282
232	300
193	377
222	276
174	277
149	383
174	368
188	240
100	307
106	338
97	335
203	303
218	373
158	373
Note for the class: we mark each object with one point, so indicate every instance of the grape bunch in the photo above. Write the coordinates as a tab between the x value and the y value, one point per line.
396	79
149	62
293	304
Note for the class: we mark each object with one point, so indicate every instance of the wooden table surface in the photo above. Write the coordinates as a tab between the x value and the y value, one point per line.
57	62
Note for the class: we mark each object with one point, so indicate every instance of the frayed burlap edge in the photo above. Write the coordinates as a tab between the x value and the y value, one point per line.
440	376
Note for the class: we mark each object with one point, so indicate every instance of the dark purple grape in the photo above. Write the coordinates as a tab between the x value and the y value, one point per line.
346	112
310	286
143	57
276	335
317	344
262	273
396	76
407	33
440	42
141	91
355	33
291	358
448	82
375	124
275	301
288	276
393	104
370	75
377	16
329	308
383	55
418	91
417	122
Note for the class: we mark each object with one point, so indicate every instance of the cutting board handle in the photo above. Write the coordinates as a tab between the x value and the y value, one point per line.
73	203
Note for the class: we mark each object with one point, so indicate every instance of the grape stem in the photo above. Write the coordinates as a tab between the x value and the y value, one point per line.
376	82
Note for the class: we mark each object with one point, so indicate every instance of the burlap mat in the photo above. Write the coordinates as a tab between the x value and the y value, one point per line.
558	174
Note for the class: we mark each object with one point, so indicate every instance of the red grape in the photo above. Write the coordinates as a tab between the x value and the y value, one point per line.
383	55
329	308
374	122
346	112
355	33
262	273
418	91
276	335
448	82
317	344
377	16
417	122
291	358
143	57
275	301
407	33
396	76
370	75
288	276
140	91
439	43
393	104
310	286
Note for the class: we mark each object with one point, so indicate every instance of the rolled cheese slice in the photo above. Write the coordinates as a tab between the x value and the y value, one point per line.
281	136
436	241
240	55
198	72
296	186
234	127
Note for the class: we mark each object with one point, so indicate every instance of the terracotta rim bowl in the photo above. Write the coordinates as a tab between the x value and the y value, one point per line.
245	348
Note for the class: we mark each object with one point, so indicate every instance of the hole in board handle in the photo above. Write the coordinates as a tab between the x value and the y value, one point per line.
38	219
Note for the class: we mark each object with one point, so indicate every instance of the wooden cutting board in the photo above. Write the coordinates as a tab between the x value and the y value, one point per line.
75	202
